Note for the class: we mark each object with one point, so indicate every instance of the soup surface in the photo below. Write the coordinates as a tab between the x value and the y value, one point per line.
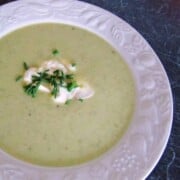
40	132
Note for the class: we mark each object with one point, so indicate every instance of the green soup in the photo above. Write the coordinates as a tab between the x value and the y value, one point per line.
40	132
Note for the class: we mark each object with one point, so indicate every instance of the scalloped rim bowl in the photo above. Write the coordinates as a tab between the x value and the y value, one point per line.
142	145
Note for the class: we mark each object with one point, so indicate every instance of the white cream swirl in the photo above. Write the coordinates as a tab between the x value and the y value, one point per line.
81	92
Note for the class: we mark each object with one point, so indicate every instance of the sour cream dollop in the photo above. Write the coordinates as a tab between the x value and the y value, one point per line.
78	93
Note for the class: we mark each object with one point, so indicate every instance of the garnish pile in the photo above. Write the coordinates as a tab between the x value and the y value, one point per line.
57	79
53	80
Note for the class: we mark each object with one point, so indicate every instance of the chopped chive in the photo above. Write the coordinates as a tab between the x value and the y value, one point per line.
18	78
55	52
81	100
63	75
71	86
70	76
56	72
26	67
31	89
68	102
73	64
55	90
56	80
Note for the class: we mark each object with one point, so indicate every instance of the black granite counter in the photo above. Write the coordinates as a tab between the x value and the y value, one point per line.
159	23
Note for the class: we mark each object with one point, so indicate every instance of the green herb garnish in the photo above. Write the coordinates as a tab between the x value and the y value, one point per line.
68	102
18	78
70	76
55	52
81	100
26	67
55	80
31	89
72	85
73	64
55	90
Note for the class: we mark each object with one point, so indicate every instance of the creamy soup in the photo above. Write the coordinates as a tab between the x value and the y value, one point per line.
41	132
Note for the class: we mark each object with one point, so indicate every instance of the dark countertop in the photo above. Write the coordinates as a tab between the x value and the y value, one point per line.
158	21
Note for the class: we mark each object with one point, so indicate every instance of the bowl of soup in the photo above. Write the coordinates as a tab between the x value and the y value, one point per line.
46	133
77	94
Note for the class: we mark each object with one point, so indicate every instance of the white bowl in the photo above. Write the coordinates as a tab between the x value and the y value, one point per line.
143	143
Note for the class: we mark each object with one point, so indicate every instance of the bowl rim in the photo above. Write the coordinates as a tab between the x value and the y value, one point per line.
143	62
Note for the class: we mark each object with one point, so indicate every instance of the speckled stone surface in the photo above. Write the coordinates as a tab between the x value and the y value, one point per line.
158	21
